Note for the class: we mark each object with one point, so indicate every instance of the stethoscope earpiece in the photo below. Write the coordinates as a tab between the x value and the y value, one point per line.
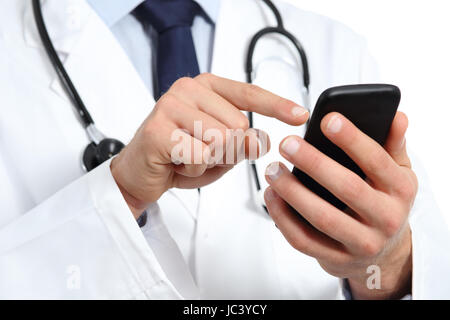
95	154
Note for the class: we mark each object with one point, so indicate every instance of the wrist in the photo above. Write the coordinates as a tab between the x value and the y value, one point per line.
395	274
137	207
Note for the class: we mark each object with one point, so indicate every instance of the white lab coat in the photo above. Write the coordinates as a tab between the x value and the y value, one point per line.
66	234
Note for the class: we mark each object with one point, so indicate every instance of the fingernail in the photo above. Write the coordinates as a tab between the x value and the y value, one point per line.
273	171
290	146
298	111
269	194
335	124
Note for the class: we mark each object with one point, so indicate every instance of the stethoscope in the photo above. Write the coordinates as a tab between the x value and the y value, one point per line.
279	29
101	148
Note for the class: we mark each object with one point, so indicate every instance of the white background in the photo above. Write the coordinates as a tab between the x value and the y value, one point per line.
410	39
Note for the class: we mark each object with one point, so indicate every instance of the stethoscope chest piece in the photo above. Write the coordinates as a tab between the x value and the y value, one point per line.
96	154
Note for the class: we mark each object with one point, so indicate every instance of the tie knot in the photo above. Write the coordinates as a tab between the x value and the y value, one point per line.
167	14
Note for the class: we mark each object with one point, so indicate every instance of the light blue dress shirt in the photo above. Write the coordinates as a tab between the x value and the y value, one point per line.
138	42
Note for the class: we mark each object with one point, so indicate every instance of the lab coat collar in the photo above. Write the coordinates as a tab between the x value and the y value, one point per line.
92	57
113	13
65	21
211	8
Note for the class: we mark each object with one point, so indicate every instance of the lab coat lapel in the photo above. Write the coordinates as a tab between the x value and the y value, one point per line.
65	21
102	73
99	68
231	41
109	85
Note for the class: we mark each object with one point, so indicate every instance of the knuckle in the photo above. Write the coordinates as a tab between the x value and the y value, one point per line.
149	130
352	187
242	123
377	163
342	261
371	247
299	244
151	127
250	92
167	101
274	212
392	224
166	107
322	220
407	189
290	193
204	76
314	162
184	84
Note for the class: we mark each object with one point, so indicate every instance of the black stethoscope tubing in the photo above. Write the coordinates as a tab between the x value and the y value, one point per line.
101	148
59	68
279	29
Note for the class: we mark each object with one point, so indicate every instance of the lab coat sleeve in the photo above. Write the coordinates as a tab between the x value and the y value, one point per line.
430	232
431	242
83	242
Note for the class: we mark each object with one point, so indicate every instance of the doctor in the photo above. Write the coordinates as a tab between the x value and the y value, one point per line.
67	234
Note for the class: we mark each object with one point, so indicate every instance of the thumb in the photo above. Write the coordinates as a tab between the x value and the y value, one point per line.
396	142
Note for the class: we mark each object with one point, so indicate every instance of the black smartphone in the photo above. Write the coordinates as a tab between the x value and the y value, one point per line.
370	107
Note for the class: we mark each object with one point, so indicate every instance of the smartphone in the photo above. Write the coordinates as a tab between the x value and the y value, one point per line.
370	107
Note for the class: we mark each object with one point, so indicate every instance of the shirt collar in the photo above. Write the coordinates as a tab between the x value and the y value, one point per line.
113	11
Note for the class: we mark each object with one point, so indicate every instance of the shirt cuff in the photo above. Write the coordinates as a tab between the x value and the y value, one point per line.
142	220
347	291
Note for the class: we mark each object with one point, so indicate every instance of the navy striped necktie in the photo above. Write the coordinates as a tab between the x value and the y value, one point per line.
172	20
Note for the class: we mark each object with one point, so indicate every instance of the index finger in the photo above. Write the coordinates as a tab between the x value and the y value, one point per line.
248	97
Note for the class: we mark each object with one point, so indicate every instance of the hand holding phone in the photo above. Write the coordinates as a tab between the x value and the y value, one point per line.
374	227
370	107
